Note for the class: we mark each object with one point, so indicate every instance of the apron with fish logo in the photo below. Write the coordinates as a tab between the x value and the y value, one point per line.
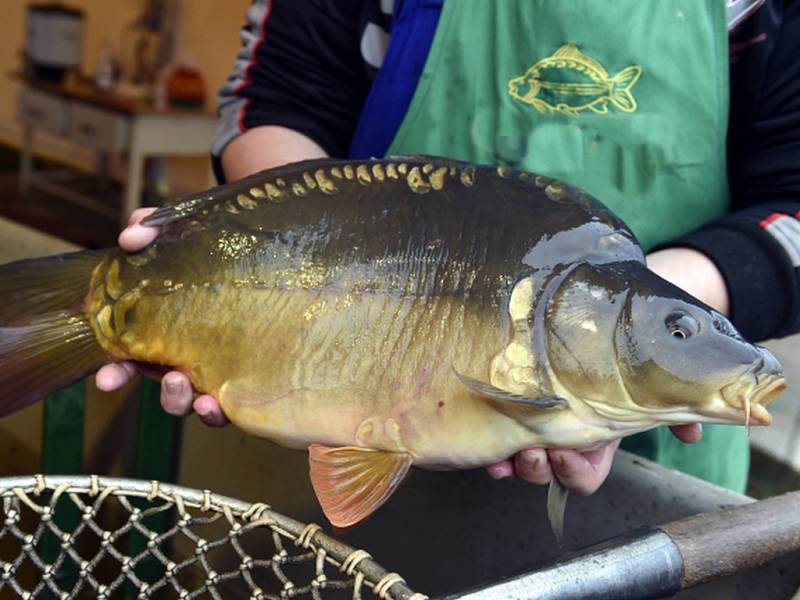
626	99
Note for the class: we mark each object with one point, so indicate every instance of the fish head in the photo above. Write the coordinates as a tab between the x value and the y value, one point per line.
679	356
647	350
524	87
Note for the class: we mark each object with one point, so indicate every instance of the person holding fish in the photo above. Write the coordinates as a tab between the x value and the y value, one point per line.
634	102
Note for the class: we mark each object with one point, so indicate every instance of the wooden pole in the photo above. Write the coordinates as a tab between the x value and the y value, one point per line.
715	545
657	562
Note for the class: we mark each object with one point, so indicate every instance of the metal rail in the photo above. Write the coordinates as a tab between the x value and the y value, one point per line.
659	562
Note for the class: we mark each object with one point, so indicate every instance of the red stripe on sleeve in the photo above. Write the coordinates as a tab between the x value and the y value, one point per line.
253	61
771	219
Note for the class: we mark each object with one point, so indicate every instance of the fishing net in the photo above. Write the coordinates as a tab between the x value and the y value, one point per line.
103	537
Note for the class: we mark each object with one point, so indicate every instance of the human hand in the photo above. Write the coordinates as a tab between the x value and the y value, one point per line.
580	472
177	396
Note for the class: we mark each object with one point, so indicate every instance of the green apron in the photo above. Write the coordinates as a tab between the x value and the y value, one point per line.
626	99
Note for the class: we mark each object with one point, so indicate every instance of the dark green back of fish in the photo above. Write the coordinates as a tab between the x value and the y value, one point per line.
410	225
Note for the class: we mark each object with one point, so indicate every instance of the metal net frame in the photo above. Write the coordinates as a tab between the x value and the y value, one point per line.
89	536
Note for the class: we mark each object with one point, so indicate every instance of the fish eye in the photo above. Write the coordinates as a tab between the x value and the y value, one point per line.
681	325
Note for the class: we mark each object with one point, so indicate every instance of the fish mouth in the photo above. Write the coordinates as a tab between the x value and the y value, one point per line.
767	392
746	402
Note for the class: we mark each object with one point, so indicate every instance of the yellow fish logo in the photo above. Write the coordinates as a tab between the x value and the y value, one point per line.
570	82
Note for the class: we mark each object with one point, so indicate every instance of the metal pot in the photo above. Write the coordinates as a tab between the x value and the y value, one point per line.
54	40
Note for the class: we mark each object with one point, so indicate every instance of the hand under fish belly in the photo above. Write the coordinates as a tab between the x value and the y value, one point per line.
385	314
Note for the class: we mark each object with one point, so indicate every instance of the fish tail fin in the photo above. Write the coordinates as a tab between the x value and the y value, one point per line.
621	95
46	341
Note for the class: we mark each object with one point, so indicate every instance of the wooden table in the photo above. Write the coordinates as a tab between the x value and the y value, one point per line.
111	124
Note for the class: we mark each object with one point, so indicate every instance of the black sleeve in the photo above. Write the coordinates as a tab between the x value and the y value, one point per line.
300	67
757	246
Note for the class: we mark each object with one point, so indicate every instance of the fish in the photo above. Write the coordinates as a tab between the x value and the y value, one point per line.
384	314
570	82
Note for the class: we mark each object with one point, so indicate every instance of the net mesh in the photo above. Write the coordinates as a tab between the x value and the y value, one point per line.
76	537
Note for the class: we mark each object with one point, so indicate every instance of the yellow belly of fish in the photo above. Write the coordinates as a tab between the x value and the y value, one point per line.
369	369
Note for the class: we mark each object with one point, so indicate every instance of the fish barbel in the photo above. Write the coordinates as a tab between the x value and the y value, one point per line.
386	313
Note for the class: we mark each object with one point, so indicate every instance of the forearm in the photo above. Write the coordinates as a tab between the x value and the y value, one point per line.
299	69
266	147
754	257
693	272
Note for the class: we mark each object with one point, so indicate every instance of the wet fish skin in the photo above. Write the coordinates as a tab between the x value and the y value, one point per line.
449	280
331	305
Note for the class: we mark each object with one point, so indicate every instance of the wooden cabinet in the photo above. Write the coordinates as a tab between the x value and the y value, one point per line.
112	125
87	125
98	128
43	111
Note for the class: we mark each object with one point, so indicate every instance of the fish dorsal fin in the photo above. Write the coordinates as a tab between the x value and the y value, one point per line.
495	393
571	52
351	482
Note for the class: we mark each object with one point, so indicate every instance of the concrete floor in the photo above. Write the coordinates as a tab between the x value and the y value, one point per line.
782	439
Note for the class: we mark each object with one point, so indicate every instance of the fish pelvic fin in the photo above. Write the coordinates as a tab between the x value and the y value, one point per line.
351	482
621	95
557	496
495	393
46	340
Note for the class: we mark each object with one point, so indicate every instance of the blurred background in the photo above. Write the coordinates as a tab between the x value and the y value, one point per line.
98	87
106	106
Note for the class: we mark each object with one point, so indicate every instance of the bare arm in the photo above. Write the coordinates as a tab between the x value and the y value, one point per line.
264	148
694	272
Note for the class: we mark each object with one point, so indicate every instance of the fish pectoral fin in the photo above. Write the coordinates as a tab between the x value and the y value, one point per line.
351	482
557	496
495	393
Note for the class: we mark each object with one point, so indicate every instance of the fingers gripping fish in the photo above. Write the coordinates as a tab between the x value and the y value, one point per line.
390	313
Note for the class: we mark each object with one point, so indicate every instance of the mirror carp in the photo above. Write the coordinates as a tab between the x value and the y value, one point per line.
390	313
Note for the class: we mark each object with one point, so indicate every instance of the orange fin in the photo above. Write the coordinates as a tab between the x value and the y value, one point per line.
351	483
